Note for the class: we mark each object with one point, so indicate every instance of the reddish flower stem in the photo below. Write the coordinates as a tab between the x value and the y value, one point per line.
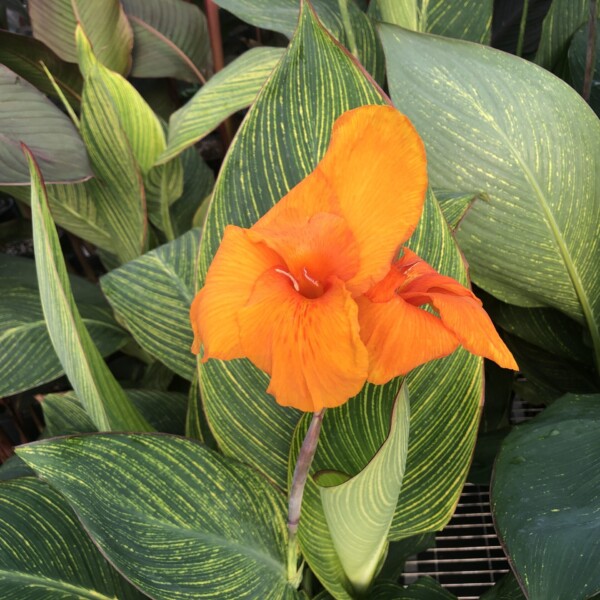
590	55
303	463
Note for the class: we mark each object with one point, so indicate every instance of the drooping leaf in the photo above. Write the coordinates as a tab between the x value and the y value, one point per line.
282	16
230	90
577	59
24	55
152	295
318	80
483	115
359	511
27	358
122	136
105	24
165	411
27	116
100	393
13	468
207	527
45	554
564	18
170	39
548	468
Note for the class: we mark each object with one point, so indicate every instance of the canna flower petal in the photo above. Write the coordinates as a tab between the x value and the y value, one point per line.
310	347
373	175
238	263
417	336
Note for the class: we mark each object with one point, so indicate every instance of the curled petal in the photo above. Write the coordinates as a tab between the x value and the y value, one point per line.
238	264
377	167
400	337
310	347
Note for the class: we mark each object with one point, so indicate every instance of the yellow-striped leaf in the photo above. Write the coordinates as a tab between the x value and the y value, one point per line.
445	406
356	32
281	140
483	115
564	18
105	23
230	90
27	358
170	39
359	511
27	116
103	398
206	527
45	554
151	297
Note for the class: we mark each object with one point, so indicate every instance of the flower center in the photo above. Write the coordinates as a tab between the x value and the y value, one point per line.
306	285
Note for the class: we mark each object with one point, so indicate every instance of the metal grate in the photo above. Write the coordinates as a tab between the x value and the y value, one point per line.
468	558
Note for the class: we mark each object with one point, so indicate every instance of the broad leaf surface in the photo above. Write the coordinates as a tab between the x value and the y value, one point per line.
170	39
230	90
100	393
282	16
425	588
24	55
27	358
151	297
455	206
45	554
165	411
484	116
284	135
506	589
564	18
445	406
105	23
359	511
27	116
205	527
549	469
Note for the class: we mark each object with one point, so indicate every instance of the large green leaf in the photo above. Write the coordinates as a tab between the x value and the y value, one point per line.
25	55
152	295
282	16
506	589
170	39
122	136
205	527
445	397
102	396
105	23
359	510
27	358
545	499
44	552
564	18
425	588
483	115
273	150
165	411
464	19
27	116
230	90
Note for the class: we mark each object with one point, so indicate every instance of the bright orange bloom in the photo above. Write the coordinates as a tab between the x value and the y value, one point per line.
313	294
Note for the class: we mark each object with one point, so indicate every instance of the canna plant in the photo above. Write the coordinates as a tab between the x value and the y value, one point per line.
328	422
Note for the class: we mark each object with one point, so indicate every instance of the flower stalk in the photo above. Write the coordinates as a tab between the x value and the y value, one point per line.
303	463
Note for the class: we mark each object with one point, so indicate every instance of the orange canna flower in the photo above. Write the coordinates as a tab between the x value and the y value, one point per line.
313	293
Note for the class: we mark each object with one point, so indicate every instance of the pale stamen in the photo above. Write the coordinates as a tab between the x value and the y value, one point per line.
290	277
309	278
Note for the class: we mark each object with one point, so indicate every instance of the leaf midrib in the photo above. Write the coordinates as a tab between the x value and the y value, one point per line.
560	243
